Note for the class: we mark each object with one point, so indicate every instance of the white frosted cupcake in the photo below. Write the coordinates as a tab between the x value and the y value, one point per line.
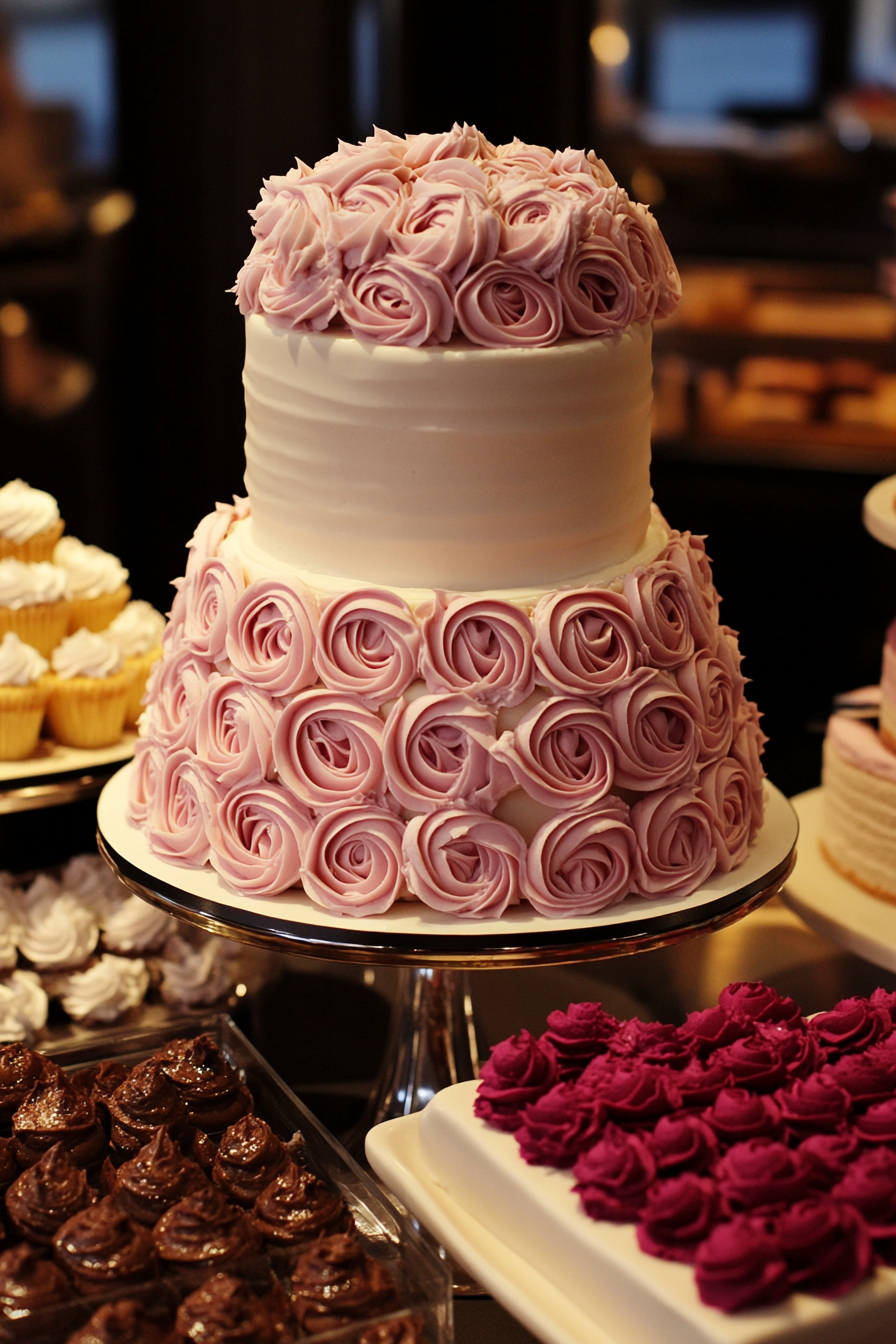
30	525
195	974
98	582
138	633
34	603
24	692
23	1006
9	928
106	990
136	926
89	696
92	882
57	932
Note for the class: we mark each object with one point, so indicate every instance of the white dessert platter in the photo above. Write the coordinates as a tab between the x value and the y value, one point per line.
57	774
829	903
879	511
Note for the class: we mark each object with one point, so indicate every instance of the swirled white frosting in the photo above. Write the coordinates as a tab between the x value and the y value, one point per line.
136	926
86	654
92	572
105	990
20	664
9	929
137	629
23	1006
195	975
92	883
24	511
24	585
59	932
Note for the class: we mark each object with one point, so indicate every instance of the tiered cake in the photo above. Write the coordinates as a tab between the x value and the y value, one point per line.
446	650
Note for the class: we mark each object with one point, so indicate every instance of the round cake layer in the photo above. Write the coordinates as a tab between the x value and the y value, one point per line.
859	779
447	467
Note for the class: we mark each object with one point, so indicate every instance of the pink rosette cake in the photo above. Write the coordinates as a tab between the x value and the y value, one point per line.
447	651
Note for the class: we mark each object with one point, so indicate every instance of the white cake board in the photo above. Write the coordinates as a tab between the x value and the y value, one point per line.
831	904
879	511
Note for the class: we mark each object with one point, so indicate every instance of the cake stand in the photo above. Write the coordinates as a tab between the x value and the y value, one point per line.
432	1041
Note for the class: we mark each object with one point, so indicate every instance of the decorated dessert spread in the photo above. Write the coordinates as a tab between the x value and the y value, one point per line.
732	1179
446	651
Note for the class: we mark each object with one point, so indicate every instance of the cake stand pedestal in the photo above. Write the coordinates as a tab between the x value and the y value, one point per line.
432	1041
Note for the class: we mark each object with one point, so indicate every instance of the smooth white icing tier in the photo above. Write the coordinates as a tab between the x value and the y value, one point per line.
631	1296
447	467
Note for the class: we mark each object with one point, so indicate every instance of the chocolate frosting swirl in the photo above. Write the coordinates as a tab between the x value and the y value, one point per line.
147	1185
20	1069
28	1282
46	1195
249	1157
297	1206
209	1086
335	1282
99	1081
121	1322
101	1247
204	1231
9	1167
145	1100
56	1111
225	1311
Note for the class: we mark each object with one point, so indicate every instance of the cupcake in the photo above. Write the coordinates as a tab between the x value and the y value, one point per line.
145	1100
136	926
30	525
100	1248
98	584
196	971
56	1111
224	1310
46	1195
21	1069
29	1283
335	1283
24	692
106	990
99	1081
89	697
34	603
124	1321
249	1157
205	1232
57	933
298	1207
23	1006
91	881
210	1087
138	633
147	1185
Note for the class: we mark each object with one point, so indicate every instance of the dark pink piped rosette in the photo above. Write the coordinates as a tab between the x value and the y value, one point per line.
752	1143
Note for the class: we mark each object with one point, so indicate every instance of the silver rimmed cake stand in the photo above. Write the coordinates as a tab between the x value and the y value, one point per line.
432	1042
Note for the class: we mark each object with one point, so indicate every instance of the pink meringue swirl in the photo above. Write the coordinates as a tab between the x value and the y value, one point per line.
353	863
478	645
706	681
725	786
270	637
561	753
328	749
436	750
182	809
598	289
464	863
503	304
582	862
174	694
654	732
448	227
234	731
676	842
367	645
258	838
586	642
210	594
396	301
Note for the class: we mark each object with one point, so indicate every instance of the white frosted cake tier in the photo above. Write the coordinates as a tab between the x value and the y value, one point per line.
448	467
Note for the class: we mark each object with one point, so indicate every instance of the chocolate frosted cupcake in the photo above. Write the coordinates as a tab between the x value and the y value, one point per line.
204	1232
335	1282
29	1283
145	1100
202	1149
46	1195
121	1322
9	1167
213	1093
147	1185
297	1207
99	1081
225	1311
249	1157
20	1070
57	1112
100	1248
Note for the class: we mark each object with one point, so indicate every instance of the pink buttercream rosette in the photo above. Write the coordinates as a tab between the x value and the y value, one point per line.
437	749
210	593
353	862
464	863
479	645
270	637
586	641
328	750
561	753
234	731
211	531
654	732
676	842
182	809
367	644
148	761
258	838
707	683
582	862
174	693
726	787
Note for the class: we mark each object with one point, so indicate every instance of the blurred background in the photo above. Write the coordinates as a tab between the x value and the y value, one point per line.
133	140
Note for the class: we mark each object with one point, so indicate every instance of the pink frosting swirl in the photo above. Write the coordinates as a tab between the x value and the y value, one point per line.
328	749
501	305
746	748
174	693
396	301
826	1245
148	761
561	753
352	165
210	594
353	860
674	828
461	142
613	1177
182	809
598	289
259	835
367	645
538	228
654	731
360	223
445	226
270	637
637	235
725	787
464	863
234	731
211	531
740	1265
706	681
586	641
687	554
661	603
518	1072
478	645
437	749
677	1216
582	862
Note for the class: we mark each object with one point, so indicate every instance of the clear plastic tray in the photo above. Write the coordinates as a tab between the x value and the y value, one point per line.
418	1265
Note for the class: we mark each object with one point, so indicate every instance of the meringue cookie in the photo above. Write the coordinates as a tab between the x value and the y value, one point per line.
105	990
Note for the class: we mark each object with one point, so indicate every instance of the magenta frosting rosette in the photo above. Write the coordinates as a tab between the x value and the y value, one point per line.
270	639
210	593
654	732
560	753
762	1176
826	1245
464	863
814	1105
682	1143
328	749
437	750
614	1176
559	1126
352	862
586	641
738	1114
367	644
258	838
582	862
676	849
677	1216
869	1185
710	1028
479	645
651	1043
829	1156
234	731
633	1093
518	1071
182	810
740	1265
578	1035
850	1027
753	1063
752	1001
